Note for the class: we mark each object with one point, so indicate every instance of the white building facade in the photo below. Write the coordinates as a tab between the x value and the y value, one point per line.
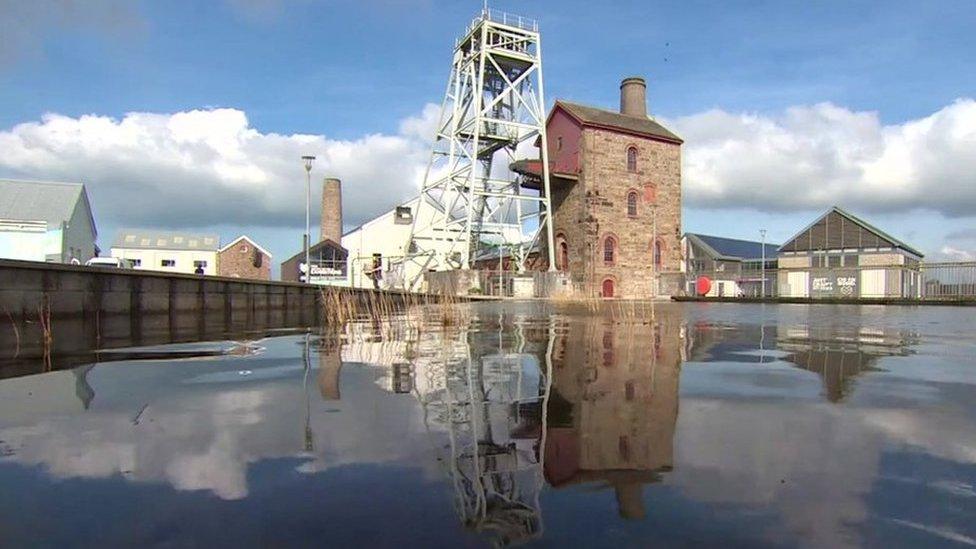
46	221
167	251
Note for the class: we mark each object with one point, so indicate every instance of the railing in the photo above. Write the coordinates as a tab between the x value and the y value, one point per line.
927	281
507	19
948	280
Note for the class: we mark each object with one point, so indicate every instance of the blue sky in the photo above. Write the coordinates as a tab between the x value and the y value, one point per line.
350	73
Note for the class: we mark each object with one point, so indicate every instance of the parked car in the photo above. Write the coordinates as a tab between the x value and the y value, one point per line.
109	262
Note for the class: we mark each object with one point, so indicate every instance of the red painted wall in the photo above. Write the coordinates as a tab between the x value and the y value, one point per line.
565	160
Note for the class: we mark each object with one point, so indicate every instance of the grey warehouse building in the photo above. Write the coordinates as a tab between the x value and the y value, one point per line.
841	255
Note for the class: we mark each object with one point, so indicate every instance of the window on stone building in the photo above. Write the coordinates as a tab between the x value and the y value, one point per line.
632	203
658	253
632	159
559	143
563	256
609	249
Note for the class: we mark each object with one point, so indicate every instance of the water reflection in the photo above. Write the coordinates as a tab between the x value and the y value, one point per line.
526	423
613	407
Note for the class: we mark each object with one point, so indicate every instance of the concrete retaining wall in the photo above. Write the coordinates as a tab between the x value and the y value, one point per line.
97	308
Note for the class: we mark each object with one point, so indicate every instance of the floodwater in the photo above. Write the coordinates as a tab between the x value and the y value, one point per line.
521	423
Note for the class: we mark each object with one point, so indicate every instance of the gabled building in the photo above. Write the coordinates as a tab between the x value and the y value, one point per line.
244	258
329	265
46	221
841	255
616	197
733	267
167	251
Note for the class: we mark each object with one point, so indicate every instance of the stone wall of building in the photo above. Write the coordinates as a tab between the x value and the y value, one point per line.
595	208
244	260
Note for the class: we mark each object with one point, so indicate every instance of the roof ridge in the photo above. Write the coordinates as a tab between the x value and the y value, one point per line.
41	182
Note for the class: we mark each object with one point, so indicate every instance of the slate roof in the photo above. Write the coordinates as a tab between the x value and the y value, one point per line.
165	240
610	119
52	202
732	248
867	226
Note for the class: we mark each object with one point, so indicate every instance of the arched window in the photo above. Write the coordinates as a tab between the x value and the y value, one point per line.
632	159
658	253
563	256
609	249
632	204
607	289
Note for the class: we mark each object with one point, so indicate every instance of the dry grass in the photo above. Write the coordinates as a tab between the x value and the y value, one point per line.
47	334
16	332
389	312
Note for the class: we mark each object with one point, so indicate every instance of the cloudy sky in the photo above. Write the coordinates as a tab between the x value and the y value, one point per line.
193	115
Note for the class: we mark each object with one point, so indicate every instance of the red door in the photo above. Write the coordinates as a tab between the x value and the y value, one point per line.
608	288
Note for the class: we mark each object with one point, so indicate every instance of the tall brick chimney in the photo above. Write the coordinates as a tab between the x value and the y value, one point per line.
633	97
331	227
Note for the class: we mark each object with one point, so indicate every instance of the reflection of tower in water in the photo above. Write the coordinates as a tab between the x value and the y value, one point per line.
490	403
516	400
613	407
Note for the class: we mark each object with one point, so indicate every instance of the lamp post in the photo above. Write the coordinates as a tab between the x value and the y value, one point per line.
308	159
762	233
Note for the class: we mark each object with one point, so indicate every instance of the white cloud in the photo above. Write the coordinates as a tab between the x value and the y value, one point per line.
813	157
949	253
210	167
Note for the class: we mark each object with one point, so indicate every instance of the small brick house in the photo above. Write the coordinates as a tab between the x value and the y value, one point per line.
244	258
616	197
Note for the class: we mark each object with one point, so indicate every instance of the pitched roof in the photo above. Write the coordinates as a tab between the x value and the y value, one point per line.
858	221
165	240
732	248
253	243
316	247
49	201
592	116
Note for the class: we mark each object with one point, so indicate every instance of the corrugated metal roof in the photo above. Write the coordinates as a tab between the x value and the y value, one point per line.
735	248
165	240
52	202
612	119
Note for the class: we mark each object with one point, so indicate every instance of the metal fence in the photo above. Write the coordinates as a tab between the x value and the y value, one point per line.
948	280
926	281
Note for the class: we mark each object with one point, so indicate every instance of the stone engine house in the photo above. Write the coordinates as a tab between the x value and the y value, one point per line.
616	197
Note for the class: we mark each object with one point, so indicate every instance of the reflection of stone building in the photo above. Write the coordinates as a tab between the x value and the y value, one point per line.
613	407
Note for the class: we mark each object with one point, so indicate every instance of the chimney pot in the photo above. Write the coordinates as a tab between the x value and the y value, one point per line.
633	97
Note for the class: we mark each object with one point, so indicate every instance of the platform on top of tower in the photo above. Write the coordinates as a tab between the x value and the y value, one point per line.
504	18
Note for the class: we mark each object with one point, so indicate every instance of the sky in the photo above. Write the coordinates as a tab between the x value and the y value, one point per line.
193	116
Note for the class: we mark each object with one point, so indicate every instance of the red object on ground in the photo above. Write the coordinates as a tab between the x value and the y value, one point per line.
703	285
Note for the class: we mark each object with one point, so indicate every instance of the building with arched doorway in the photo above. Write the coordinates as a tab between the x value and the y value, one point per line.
616	197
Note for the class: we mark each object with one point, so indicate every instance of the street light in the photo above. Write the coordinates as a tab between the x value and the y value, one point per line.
308	159
762	232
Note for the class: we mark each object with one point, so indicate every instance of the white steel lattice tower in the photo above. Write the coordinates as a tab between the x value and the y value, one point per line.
476	206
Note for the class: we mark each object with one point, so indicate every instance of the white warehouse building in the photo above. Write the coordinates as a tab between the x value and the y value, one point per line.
46	221
167	251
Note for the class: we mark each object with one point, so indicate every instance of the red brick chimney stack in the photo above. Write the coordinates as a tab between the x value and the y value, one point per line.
331	227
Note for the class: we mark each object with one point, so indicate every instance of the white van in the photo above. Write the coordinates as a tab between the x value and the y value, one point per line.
109	262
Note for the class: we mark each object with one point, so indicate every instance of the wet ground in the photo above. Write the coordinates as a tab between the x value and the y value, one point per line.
677	425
